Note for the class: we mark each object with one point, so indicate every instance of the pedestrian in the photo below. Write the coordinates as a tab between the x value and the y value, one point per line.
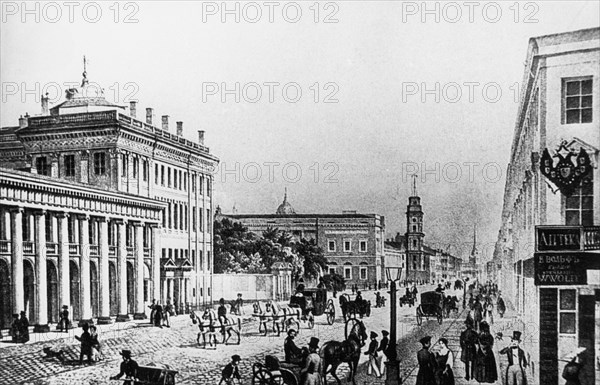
96	353
444	364
15	329
239	303
64	323
485	364
573	367
489	311
128	368
426	360
468	346
517	361
24	327
372	353
152	311
477	314
311	373
383	348
353	290
158	315
166	316
222	312
358	298
86	344
500	305
231	371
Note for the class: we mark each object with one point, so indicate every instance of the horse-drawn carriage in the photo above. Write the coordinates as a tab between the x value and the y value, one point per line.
152	375
350	309
274	372
432	305
302	308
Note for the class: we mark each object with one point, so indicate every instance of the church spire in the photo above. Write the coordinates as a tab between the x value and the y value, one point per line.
474	251
84	81
414	186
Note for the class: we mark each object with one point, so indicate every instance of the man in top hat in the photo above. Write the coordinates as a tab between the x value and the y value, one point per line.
15	328
86	344
426	360
24	327
372	353
517	361
383	347
63	323
468	347
231	371
129	368
311	373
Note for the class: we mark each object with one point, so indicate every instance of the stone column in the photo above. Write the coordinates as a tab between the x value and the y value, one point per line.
63	260
84	270
6	228
16	229
122	271
104	316
165	289
171	292
156	256
139	269
41	310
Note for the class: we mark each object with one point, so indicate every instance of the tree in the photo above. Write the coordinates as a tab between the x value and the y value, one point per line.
334	281
314	260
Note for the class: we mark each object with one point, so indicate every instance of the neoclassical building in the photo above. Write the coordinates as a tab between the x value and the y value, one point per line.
102	212
351	242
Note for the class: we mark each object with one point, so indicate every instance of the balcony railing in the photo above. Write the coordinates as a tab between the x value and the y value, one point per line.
112	251
51	248
130	251
73	249
28	248
94	250
5	247
591	238
146	252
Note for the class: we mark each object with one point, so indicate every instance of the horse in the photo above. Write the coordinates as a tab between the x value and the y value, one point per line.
450	304
349	351
282	318
458	284
209	322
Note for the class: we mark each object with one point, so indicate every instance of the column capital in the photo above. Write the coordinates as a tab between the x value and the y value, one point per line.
38	212
119	221
156	226
85	217
137	223
62	214
16	210
99	218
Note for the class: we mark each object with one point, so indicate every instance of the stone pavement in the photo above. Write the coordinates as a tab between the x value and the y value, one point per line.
176	347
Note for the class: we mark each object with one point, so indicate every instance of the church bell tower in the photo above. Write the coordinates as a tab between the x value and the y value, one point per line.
414	236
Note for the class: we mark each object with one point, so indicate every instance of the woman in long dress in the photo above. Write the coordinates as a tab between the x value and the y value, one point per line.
485	363
445	360
311	373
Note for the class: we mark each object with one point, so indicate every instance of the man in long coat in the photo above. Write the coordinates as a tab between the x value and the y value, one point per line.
468	354
426	359
517	361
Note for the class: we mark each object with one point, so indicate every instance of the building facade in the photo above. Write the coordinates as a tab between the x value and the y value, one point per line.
154	244
558	115
352	243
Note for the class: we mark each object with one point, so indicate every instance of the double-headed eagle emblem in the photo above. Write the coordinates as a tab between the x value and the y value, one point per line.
566	174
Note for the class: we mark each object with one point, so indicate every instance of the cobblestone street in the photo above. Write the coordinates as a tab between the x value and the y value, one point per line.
177	348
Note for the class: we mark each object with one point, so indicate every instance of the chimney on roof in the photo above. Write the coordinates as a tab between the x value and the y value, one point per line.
45	110
165	122
201	137
149	113
23	121
133	109
179	128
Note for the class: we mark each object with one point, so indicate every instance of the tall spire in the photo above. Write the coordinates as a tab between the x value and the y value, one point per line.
285	195
414	186
474	251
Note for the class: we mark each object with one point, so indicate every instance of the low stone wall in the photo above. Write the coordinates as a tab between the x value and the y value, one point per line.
251	286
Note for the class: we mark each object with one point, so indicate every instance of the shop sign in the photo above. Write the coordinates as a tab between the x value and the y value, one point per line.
560	269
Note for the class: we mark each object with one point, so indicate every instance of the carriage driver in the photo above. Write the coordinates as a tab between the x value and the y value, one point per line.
293	354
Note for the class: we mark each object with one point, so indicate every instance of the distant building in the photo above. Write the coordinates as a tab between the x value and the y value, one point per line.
351	242
472	269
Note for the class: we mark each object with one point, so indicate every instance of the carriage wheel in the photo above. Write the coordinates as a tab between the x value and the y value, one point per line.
440	316
288	377
330	312
419	316
311	320
261	376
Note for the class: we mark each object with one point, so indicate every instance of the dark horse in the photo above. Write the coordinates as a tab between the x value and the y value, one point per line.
334	352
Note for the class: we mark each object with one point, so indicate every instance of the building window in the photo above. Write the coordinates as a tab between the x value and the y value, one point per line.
208	221
200	220
414	228
124	165
174	178
200	260
577	101
69	165
41	165
347	245
363	273
180	186
194	218
579	207
145	170
567	311
331	246
414	243
185	181
200	185
347	272
156	174
193	182
208	187
331	270
363	246
176	216
99	163
135	167
168	176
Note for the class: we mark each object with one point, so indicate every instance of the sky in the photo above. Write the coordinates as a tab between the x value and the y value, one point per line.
339	102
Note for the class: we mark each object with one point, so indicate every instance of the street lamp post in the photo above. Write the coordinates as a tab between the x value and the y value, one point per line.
392	364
